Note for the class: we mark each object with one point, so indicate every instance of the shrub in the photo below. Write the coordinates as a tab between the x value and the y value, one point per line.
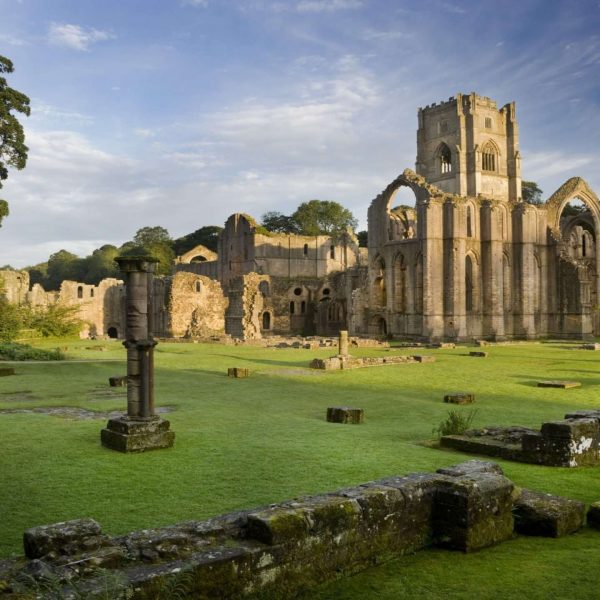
13	351
54	320
456	423
10	320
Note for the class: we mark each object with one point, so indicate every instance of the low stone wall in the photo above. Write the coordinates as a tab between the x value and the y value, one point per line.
276	551
336	363
572	442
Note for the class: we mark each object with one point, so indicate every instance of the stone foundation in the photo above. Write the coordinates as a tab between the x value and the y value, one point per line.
279	550
336	363
573	442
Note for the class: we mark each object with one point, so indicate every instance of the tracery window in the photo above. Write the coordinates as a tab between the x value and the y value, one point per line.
445	159
488	157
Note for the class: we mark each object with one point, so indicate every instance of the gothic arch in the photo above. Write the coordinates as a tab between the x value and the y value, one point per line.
443	159
490	155
576	187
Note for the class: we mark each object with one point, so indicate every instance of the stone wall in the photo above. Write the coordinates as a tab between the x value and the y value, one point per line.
279	550
196	306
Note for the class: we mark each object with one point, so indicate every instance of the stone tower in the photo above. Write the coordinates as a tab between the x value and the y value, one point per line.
467	146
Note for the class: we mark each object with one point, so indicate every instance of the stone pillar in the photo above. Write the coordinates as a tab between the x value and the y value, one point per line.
343	344
432	244
523	244
492	264
140	429
454	271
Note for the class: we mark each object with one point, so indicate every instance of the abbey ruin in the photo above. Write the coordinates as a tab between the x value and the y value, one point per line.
469	260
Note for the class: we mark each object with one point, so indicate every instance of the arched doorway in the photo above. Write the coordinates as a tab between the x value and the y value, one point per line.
112	333
266	321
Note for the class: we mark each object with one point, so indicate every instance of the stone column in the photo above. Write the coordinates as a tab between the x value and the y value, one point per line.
492	265
140	429
523	238
343	344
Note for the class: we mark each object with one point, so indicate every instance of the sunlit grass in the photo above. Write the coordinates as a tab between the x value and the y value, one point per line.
247	442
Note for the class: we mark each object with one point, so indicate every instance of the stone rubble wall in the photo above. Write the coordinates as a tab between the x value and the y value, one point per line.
282	549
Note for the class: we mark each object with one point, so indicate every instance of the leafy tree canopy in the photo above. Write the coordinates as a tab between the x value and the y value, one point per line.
13	151
205	236
62	265
316	217
363	238
278	222
531	192
154	241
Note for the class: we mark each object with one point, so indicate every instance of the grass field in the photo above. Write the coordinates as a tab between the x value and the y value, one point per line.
247	442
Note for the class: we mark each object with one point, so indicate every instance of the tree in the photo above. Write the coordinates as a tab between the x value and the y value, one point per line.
100	264
13	151
62	265
278	222
153	241
363	238
323	217
207	236
531	192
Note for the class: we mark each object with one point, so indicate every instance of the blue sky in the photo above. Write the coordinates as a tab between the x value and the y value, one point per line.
181	112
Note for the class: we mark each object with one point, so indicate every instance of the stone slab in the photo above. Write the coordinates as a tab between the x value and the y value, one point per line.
546	515
238	372
460	398
563	385
422	358
345	414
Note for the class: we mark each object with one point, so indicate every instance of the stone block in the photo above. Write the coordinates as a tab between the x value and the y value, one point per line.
547	515
421	358
345	414
117	381
442	345
63	539
6	371
127	434
471	466
479	354
593	515
473	511
460	398
584	414
571	442
238	372
563	385
590	347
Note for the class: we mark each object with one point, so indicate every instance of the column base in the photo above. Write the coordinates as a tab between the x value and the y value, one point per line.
131	434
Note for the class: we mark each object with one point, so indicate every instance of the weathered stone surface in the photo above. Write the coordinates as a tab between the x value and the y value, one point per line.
442	345
6	371
117	381
470	467
593	515
345	414
590	346
473	511
572	442
343	343
423	358
238	372
460	398
479	354
546	515
127	434
336	363
65	538
563	385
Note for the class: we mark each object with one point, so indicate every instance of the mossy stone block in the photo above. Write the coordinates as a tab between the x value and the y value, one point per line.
345	414
460	398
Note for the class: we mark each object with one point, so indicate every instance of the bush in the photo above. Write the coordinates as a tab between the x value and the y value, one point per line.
10	320
456	423
54	320
13	351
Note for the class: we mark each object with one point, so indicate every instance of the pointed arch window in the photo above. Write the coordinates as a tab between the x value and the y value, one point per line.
489	158
444	159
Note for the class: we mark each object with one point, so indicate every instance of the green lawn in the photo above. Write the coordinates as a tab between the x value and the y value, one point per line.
243	443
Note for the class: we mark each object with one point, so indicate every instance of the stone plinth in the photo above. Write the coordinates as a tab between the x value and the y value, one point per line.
571	442
563	385
238	372
345	414
547	515
131	434
117	381
6	371
460	398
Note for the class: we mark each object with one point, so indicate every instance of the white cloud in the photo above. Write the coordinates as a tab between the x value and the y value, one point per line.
327	5
11	40
547	164
202	3
144	133
76	36
48	113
